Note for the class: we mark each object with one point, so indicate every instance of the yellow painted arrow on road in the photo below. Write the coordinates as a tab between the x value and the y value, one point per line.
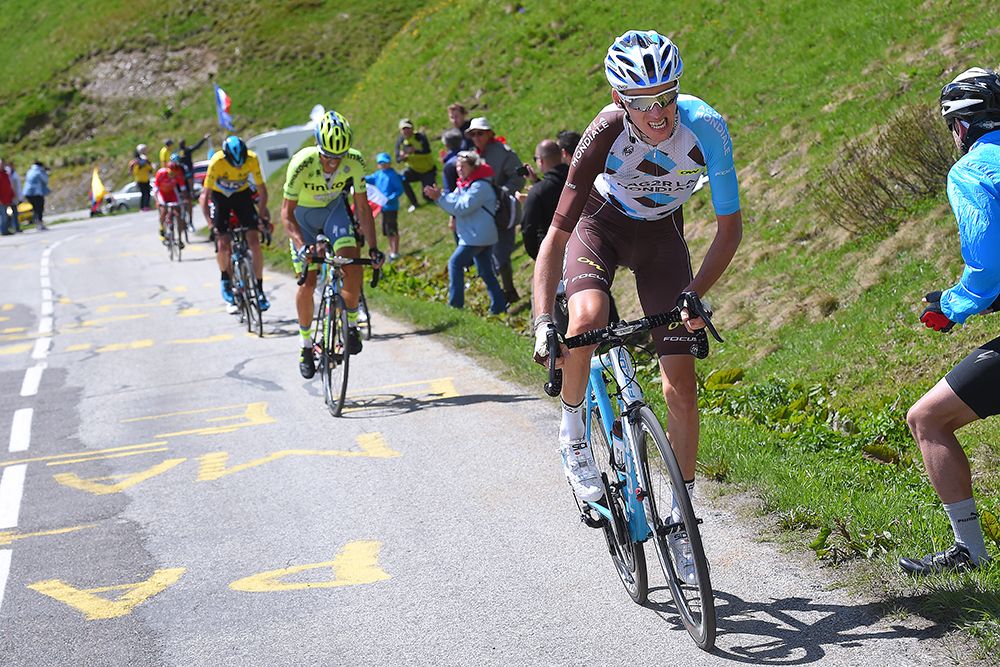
354	565
95	607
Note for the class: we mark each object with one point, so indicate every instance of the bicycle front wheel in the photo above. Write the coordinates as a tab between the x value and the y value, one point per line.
335	358
669	512
628	557
255	320
178	226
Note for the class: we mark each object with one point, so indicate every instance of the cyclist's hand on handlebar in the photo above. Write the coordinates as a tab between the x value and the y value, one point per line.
933	317
691	308
304	253
377	257
543	326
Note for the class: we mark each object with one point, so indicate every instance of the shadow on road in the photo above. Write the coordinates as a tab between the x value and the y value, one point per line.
391	405
792	630
436	329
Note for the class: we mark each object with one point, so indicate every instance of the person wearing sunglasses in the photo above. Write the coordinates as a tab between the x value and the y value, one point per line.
970	106
316	181
635	166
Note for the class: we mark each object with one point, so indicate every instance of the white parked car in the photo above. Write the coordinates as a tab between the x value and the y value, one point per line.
128	198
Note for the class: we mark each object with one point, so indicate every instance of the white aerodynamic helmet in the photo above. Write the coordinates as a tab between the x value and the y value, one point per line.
640	59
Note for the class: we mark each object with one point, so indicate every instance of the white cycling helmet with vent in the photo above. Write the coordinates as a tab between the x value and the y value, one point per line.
642	59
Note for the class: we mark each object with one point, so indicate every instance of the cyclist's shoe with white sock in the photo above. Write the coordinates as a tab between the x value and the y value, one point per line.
955	558
581	470
683	555
307	362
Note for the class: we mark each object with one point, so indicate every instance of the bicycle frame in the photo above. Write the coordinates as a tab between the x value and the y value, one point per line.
619	361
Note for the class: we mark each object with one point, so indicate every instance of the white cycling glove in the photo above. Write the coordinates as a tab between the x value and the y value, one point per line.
543	323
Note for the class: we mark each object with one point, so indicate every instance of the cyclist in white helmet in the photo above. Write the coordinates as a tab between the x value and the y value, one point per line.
637	163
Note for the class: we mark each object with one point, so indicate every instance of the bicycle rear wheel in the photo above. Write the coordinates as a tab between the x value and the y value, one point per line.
629	557
660	476
364	317
178	226
335	359
255	320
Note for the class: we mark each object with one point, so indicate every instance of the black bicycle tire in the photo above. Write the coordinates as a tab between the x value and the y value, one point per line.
254	313
169	231
703	632
620	553
343	336
238	282
367	324
177	222
324	334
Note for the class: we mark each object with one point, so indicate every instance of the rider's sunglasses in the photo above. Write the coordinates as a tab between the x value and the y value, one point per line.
332	156
646	102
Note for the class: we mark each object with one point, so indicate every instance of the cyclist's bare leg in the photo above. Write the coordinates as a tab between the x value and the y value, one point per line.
587	310
933	420
163	217
352	278
224	254
304	300
253	242
680	390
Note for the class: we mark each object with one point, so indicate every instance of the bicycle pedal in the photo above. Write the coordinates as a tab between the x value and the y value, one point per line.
591	521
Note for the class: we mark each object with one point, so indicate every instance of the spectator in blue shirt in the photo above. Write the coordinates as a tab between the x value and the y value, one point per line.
390	184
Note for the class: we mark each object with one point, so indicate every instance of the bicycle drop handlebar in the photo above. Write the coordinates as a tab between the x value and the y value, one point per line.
336	260
616	333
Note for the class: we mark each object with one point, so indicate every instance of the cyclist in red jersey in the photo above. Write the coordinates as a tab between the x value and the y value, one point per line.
638	162
170	187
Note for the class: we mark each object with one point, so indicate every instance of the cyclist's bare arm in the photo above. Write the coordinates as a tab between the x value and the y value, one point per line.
262	194
203	203
365	220
548	270
290	223
717	259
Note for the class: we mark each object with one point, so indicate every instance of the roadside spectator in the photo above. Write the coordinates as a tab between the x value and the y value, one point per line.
540	204
15	183
506	165
389	184
568	140
457	117
470	204
453	143
414	149
6	199
187	161
36	188
165	151
141	170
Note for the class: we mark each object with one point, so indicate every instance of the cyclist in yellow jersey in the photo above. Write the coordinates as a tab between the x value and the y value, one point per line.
317	181
227	189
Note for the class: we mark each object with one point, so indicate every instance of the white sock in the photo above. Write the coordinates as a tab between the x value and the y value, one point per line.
572	428
675	511
965	524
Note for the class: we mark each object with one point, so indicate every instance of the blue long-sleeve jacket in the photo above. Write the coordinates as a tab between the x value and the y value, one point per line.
974	193
390	184
36	182
472	207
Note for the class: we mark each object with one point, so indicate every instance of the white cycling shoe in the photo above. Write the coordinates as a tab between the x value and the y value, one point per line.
581	470
683	555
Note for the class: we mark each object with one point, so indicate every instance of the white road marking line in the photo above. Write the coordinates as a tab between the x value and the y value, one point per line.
32	378
20	430
46	284
41	348
4	571
11	488
45	324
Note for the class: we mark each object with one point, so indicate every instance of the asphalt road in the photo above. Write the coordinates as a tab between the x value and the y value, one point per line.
175	494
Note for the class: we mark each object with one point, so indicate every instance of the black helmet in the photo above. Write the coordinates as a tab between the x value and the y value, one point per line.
973	97
235	151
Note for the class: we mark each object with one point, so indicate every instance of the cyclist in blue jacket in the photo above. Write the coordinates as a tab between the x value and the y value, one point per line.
970	105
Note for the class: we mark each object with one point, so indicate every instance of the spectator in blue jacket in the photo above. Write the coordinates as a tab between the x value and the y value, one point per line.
471	204
390	184
36	188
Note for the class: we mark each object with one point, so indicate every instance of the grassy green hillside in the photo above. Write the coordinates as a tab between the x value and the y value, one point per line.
821	321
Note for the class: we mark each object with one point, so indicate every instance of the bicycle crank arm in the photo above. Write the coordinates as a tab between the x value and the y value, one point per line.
671	528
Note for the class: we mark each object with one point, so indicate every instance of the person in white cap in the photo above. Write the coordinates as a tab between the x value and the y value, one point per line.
505	164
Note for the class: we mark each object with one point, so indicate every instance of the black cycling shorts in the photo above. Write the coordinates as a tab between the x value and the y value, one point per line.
976	379
654	250
240	203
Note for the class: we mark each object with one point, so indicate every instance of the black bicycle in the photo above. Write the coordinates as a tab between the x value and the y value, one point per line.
330	326
245	294
173	231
